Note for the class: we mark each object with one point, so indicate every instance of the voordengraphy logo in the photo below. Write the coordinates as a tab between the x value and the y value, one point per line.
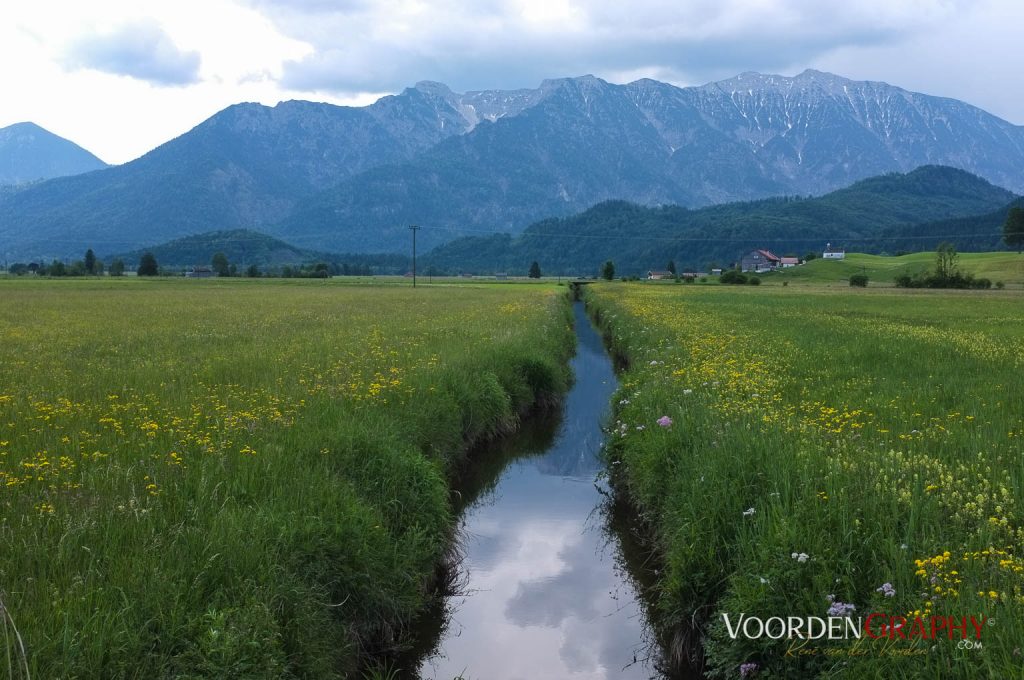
875	626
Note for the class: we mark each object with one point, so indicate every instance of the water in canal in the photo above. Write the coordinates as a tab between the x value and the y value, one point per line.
545	593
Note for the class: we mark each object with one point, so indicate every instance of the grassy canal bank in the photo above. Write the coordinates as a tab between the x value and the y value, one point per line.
826	453
244	478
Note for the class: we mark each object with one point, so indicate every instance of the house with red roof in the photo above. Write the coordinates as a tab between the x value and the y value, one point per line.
760	261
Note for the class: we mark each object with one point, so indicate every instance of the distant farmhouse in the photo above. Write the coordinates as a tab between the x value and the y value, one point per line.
790	262
760	261
658	275
199	272
833	253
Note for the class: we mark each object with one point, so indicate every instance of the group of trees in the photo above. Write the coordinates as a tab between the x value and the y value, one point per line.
946	274
737	278
319	270
89	265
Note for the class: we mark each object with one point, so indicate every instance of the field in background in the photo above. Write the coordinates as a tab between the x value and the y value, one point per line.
243	478
828	452
1001	266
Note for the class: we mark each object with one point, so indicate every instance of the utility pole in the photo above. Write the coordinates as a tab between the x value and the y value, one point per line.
414	228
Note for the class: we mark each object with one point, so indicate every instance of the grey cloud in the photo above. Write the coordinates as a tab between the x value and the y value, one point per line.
141	50
383	46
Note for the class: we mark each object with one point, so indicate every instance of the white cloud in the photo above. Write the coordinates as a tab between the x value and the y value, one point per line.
140	50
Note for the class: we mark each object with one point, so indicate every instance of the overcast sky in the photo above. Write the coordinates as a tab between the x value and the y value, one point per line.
120	77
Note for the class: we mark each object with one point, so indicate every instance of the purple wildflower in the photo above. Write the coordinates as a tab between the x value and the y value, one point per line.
887	590
747	669
665	421
841	609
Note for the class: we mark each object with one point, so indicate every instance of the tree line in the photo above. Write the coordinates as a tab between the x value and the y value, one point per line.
89	265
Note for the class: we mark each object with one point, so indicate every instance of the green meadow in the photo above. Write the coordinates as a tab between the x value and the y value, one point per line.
251	478
883	270
234	478
826	452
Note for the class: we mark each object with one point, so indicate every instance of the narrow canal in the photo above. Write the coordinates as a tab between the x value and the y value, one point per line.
545	592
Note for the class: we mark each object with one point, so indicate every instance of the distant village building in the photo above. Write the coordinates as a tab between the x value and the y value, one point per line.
833	254
501	276
790	262
659	275
199	272
760	261
716	271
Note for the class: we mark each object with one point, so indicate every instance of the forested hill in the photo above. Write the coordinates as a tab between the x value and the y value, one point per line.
243	247
888	213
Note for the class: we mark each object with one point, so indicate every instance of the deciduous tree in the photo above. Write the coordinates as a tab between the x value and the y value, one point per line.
1013	229
946	261
148	265
220	264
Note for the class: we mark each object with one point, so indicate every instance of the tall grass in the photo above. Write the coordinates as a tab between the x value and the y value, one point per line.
243	478
821	445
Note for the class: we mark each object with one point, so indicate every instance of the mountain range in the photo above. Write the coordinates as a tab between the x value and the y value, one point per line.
352	179
28	153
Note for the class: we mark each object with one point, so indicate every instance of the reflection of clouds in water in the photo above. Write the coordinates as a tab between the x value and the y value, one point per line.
532	503
604	648
549	601
528	530
599	621
552	608
535	552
